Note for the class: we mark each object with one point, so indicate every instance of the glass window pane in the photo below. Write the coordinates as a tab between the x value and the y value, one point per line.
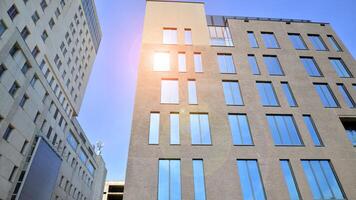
169	36
199	128
192	92
198	65
169	91
334	44
297	41
250	180
253	64
240	129
283	130
326	96
312	130
182	66
340	67
169	180
161	61
317	42
350	128
270	40
267	94
174	123
154	129
187	36
232	93
311	66
273	65
163	180
288	94
226	63
290	180
199	182
252	40
346	95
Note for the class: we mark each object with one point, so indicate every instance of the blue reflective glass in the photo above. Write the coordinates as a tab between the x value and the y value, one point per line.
334	44
240	129
267	94
326	96
199	182
289	180
312	130
169	181
289	95
154	129
232	93
252	40
199	128
340	68
253	64
71	140
311	66
250	180
322	179
283	129
273	65
346	95
297	41
317	42
174	125
226	64
270	40
350	128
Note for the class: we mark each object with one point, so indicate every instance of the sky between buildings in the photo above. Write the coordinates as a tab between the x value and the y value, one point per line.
108	104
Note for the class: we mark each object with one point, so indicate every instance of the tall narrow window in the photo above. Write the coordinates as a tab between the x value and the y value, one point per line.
346	95
199	128
273	65
334	43
174	126
3	27
182	65
267	94
161	61
154	129
232	93
326	96
322	179
340	68
290	180
199	180
250	180
169	36
289	94
284	130
192	92
252	39
297	41
14	88
169	91
226	63
350	128
8	132
169	180
310	66
270	40
13	173
188	36
2	70
198	65
253	64
240	129
317	42
312	130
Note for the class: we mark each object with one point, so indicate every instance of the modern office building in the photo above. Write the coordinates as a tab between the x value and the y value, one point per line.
113	190
47	50
241	108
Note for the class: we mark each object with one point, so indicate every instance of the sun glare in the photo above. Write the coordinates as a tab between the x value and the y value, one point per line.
161	61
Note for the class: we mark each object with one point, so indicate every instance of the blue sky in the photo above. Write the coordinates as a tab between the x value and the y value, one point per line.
107	109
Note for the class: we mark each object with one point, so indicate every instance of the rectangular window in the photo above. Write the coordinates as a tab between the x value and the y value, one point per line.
220	36
169	180
312	130
340	68
23	100
240	129
297	41
199	128
13	173
322	179
182	64
311	67
25	68
226	64
326	96
188	36
169	91
334	43
317	42
25	33
154	129
82	156
199	180
174	126
346	95
267	94
71	140
290	180
2	70
3	27
8	132
35	17
15	86
192	92
350	128
270	40
232	93
161	61
250	180
198	64
43	4
169	36
252	39
283	129
12	12
289	94
253	64
273	65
